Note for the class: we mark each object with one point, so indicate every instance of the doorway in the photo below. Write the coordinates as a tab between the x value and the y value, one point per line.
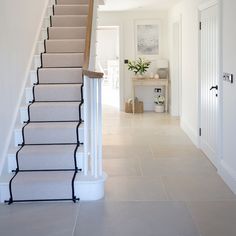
209	82
109	63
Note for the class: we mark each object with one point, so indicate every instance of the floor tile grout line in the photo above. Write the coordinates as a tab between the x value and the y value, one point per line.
76	219
193	218
165	188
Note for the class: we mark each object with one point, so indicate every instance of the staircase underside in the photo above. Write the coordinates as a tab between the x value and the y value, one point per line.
47	167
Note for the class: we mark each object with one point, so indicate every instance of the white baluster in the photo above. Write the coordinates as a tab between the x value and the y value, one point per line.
100	127
86	124
96	128
92	133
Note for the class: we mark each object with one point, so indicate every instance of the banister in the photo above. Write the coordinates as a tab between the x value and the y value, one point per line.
86	71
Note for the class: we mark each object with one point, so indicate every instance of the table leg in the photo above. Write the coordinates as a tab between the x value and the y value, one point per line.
167	98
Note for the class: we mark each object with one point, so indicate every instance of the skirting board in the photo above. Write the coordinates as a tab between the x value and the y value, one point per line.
228	175
189	131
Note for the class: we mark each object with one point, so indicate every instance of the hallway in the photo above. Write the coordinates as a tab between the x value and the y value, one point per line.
159	185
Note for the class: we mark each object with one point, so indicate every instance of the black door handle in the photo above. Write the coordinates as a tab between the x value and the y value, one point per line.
214	87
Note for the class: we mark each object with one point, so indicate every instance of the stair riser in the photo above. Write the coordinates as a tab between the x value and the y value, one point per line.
40	47
60	46
69	21
42	191
51	93
28	95
46	22
51	136
67	75
52	139
71	10
39	164
43	34
33	77
67	33
64	113
86	189
24	115
62	60
36	62
68	2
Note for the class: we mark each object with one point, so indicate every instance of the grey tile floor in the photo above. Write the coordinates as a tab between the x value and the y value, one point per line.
159	184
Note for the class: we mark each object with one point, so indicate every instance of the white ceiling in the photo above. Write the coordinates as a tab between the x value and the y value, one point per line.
124	5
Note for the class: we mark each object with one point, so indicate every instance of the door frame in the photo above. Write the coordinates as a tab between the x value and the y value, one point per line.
177	112
201	8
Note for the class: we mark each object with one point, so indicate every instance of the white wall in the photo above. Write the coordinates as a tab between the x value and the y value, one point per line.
187	10
126	22
228	164
19	22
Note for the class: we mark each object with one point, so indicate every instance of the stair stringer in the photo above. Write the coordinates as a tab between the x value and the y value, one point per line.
33	62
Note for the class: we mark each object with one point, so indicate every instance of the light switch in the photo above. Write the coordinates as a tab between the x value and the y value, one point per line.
228	77
157	90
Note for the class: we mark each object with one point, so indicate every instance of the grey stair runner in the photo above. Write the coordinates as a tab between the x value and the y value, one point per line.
57	92
47	158
71	9
60	75
52	60
47	161
65	46
54	111
67	2
67	32
68	21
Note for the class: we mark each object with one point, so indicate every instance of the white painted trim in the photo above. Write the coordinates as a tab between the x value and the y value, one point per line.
207	4
228	175
16	113
177	19
190	131
220	92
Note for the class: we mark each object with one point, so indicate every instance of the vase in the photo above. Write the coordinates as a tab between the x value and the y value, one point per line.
159	108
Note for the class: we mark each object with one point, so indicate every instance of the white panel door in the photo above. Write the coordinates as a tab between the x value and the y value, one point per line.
209	82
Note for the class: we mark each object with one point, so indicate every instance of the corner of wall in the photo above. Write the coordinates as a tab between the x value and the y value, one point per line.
189	130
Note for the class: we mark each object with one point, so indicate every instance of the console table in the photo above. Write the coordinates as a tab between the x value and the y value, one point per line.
151	82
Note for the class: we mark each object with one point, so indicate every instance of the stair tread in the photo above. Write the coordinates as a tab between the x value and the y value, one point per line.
72	2
59	104
63	54
66	40
71	5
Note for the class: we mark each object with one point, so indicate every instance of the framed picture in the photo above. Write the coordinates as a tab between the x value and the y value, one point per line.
147	38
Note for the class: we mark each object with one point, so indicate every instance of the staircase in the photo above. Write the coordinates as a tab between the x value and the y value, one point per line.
56	140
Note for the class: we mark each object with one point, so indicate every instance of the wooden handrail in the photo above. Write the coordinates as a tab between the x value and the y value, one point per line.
86	71
93	74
